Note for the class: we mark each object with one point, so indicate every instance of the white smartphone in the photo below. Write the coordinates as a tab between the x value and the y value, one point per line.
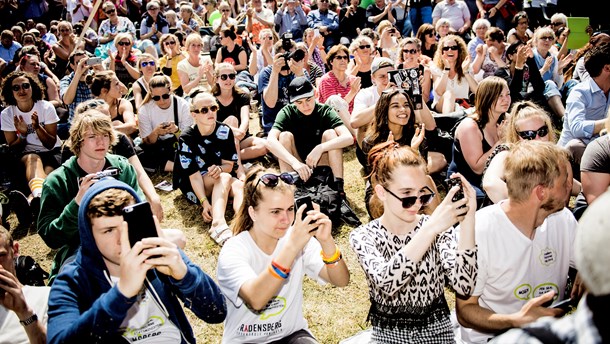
316	32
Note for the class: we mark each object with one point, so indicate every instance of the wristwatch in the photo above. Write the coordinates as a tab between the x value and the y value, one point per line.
29	320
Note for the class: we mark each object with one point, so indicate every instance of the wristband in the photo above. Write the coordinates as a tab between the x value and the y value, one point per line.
277	273
203	199
281	268
333	263
21	136
332	259
30	320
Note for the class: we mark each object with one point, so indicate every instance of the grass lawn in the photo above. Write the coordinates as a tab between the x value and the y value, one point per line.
333	313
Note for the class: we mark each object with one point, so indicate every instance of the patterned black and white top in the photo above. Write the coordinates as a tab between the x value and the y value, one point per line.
407	298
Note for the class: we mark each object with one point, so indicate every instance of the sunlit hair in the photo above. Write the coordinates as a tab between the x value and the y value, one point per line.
109	203
157	81
403	43
8	96
336	49
544	31
193	38
216	88
146	57
384	158
100	80
383	25
379	129
442	22
167	36
481	22
527	110
361	40
200	96
95	120
265	32
462	54
121	36
485	99
90	104
254	195
495	34
533	163
7	237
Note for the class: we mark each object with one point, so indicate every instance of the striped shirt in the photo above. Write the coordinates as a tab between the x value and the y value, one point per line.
329	85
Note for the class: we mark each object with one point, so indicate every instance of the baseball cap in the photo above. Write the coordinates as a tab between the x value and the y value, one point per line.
299	88
381	62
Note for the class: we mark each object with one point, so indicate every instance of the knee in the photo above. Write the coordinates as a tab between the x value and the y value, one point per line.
328	135
231	121
286	138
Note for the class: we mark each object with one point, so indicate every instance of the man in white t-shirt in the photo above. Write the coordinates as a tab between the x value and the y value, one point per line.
456	11
23	309
525	245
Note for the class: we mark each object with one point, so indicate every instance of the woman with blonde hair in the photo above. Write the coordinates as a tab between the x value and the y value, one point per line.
171	55
410	57
195	70
388	39
187	22
66	44
124	61
363	50
261	269
147	65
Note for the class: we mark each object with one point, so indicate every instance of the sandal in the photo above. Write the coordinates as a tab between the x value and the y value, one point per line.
221	234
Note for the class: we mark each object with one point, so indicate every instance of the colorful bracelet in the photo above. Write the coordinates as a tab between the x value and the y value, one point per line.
332	264
281	268
279	272
274	274
332	259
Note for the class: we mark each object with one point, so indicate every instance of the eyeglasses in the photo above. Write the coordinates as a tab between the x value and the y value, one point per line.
547	38
409	51
64	30
205	3
451	47
124	44
225	10
110	11
148	63
409	201
157	98
271	180
323	1
205	109
169	43
365	46
430	34
224	77
342	57
556	24
531	134
24	86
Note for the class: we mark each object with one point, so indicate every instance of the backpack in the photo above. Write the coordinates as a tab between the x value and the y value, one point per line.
29	272
317	187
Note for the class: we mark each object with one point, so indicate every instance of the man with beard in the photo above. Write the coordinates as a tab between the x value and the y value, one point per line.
525	245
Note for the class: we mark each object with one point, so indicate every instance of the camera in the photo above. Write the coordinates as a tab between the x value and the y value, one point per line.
296	55
287	41
111	172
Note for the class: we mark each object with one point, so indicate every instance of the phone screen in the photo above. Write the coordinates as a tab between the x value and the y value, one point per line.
304	200
140	222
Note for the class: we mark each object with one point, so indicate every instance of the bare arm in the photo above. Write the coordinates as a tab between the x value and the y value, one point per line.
494	182
147	187
594	184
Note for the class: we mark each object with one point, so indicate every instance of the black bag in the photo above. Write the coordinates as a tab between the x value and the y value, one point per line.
29	272
318	189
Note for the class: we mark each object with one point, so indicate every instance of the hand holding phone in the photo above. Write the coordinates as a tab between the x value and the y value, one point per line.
308	206
140	222
460	193
564	305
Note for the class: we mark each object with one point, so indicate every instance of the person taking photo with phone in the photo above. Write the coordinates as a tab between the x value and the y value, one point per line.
261	269
116	290
409	258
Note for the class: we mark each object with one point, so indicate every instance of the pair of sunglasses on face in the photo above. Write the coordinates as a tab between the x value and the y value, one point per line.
205	109
224	77
272	180
531	134
157	98
24	86
409	201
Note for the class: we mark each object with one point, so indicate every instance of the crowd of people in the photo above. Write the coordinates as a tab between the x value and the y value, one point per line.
474	123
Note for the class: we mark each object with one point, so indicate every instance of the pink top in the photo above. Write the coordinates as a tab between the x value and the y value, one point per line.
329	85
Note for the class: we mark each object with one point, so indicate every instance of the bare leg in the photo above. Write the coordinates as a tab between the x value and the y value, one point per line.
237	192
220	195
287	140
335	157
33	167
557	106
253	147
436	162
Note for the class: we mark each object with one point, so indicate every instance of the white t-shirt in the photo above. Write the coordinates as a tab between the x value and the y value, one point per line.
241	260
513	268
150	115
147	322
366	98
11	330
46	115
192	71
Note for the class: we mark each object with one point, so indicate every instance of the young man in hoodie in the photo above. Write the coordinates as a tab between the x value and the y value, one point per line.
115	292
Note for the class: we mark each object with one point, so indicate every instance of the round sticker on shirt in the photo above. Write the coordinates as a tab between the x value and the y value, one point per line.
547	256
222	133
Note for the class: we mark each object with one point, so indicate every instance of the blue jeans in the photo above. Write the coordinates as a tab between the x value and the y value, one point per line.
418	16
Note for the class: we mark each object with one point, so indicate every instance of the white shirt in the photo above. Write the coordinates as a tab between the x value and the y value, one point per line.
513	268
46	115
241	260
192	71
366	98
11	331
150	115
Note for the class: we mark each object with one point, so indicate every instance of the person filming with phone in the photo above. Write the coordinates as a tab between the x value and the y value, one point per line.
128	281
525	246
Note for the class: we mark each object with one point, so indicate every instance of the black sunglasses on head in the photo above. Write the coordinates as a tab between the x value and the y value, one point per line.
531	134
205	109
409	201
224	77
271	180
157	98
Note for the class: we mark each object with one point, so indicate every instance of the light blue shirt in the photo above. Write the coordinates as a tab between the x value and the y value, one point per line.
586	104
294	23
315	19
8	54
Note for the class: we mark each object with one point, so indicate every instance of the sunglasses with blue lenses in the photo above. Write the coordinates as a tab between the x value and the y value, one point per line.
271	180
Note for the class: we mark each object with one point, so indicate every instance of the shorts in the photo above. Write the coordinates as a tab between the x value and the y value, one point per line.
50	158
551	89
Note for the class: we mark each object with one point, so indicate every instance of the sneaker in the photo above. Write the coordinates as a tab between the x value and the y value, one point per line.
21	207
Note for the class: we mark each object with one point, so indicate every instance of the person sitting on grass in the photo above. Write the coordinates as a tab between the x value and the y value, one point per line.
117	291
204	165
261	269
409	258
307	134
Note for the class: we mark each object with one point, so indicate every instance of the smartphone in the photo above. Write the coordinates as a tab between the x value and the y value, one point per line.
316	32
92	61
563	305
451	182
139	218
308	205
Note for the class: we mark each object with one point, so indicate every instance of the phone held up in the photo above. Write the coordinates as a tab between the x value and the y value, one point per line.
140	222
451	182
308	206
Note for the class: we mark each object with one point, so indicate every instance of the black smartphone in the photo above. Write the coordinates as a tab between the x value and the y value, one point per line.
304	200
451	182
563	305
139	218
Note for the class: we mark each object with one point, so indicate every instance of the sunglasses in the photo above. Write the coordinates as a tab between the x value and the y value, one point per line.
224	77
124	44
409	51
547	38
24	86
170	43
556	24
451	47
157	98
323	1
205	109
110	11
205	3
225	10
430	34
366	46
64	30
409	201
153	8
271	180
149	63
531	134
342	57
